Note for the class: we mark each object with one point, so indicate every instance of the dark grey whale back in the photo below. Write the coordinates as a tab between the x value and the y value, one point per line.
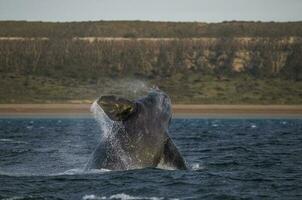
141	135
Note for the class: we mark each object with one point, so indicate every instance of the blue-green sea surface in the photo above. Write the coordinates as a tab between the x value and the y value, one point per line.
228	159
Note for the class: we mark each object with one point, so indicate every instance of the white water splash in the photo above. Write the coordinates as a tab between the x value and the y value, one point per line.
104	122
80	171
109	129
253	126
136	86
165	167
284	122
197	166
127	87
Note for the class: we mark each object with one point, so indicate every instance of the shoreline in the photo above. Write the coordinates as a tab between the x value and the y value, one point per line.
179	111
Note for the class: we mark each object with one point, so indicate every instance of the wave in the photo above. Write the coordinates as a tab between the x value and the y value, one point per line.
5	140
76	171
121	196
82	171
16	198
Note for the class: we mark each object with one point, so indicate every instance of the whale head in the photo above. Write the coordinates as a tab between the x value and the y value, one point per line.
155	106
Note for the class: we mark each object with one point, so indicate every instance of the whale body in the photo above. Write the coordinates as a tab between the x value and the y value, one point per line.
139	136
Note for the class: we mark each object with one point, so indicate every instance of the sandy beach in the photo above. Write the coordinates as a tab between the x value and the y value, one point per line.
179	110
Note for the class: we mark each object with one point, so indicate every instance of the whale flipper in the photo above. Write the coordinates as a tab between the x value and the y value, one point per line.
171	157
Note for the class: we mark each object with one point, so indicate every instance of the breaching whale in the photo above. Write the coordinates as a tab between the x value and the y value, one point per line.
139	135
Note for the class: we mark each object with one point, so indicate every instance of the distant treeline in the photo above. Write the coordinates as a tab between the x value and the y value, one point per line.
133	29
152	59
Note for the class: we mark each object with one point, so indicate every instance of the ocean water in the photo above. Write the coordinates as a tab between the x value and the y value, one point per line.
228	159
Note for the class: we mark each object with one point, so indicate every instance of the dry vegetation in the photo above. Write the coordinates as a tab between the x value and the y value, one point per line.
238	62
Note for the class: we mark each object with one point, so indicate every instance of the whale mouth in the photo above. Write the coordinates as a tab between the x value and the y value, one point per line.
116	108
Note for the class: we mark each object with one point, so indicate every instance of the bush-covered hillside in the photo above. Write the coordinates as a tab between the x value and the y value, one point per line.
244	68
